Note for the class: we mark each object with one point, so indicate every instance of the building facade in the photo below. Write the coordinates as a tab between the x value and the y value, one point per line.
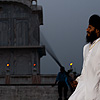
20	49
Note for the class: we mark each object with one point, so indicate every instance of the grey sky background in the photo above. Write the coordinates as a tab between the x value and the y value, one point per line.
65	23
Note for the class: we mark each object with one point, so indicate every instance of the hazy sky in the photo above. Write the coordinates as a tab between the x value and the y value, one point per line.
65	23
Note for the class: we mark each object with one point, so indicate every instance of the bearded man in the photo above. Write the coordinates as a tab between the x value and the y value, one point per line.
88	87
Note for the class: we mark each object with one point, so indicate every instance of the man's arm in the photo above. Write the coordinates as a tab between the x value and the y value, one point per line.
57	79
80	76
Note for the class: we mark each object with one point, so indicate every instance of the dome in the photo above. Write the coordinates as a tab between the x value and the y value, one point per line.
25	2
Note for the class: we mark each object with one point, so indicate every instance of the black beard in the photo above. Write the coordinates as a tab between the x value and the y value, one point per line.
91	38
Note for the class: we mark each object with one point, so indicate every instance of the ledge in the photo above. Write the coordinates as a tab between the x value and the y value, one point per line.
40	49
21	47
27	84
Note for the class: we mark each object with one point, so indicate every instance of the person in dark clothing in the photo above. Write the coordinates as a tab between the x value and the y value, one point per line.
71	78
62	83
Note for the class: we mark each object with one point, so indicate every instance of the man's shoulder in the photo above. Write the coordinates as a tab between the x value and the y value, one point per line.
86	45
99	43
59	73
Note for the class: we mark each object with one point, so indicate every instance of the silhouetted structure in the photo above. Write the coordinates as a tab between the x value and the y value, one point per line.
20	42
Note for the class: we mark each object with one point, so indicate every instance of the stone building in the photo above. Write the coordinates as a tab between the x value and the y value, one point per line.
20	53
20	49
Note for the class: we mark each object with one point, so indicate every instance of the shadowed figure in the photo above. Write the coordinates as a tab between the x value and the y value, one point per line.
62	83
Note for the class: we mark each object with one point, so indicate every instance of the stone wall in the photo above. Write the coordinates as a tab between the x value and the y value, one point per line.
29	92
23	89
46	92
27	79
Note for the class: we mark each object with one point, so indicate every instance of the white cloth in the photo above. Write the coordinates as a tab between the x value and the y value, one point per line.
88	87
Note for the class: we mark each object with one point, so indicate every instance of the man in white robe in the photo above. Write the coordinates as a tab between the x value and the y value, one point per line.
88	87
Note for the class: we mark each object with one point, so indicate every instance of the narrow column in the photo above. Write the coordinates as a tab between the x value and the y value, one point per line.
7	78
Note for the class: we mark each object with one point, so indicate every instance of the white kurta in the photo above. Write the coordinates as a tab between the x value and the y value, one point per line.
88	87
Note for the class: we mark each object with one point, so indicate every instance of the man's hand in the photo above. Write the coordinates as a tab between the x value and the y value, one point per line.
53	85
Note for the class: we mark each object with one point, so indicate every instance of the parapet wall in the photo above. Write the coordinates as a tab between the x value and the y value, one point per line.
27	79
26	91
31	92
